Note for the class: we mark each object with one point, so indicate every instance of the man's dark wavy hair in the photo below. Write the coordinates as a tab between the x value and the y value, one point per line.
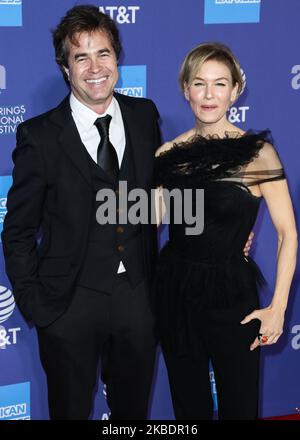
83	18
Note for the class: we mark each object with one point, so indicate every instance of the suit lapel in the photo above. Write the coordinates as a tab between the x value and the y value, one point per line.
69	138
70	141
135	136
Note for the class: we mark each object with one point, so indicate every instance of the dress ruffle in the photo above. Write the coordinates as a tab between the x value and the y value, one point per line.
203	159
184	287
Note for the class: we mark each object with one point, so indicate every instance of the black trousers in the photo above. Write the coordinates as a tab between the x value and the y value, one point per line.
222	339
118	329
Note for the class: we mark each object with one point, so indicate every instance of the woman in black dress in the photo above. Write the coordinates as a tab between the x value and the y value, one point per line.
206	289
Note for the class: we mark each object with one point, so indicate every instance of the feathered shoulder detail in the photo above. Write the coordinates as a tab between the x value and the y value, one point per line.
208	158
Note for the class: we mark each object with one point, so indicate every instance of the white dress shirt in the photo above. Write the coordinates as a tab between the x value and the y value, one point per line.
84	119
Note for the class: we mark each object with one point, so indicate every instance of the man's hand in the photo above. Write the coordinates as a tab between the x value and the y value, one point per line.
248	244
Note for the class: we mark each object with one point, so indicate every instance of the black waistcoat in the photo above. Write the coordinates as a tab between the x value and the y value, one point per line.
109	244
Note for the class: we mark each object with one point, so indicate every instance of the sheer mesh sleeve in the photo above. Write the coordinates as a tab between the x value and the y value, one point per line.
266	167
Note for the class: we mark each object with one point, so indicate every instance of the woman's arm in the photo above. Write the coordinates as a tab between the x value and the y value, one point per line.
280	207
277	197
160	207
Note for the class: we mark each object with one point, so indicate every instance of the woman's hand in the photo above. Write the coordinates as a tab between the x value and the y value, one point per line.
272	320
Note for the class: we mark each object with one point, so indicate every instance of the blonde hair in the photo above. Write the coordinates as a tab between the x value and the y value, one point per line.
210	51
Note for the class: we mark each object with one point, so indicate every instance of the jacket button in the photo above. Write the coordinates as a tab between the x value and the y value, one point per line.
120	229
121	248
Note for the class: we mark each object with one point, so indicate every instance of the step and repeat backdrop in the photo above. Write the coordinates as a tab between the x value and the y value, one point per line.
156	35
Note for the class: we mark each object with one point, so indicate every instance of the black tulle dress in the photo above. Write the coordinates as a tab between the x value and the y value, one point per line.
209	271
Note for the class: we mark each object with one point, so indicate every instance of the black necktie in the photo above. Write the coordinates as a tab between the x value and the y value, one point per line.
106	154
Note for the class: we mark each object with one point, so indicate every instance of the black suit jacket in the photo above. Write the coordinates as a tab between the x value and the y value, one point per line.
51	195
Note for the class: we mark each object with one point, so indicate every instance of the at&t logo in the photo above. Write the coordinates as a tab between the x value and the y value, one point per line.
296	78
3	210
121	14
8	337
7	303
7	306
237	114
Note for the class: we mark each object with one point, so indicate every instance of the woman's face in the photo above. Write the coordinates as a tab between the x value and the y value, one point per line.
211	92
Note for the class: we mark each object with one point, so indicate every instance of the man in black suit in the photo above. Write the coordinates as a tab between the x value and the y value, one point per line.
85	285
